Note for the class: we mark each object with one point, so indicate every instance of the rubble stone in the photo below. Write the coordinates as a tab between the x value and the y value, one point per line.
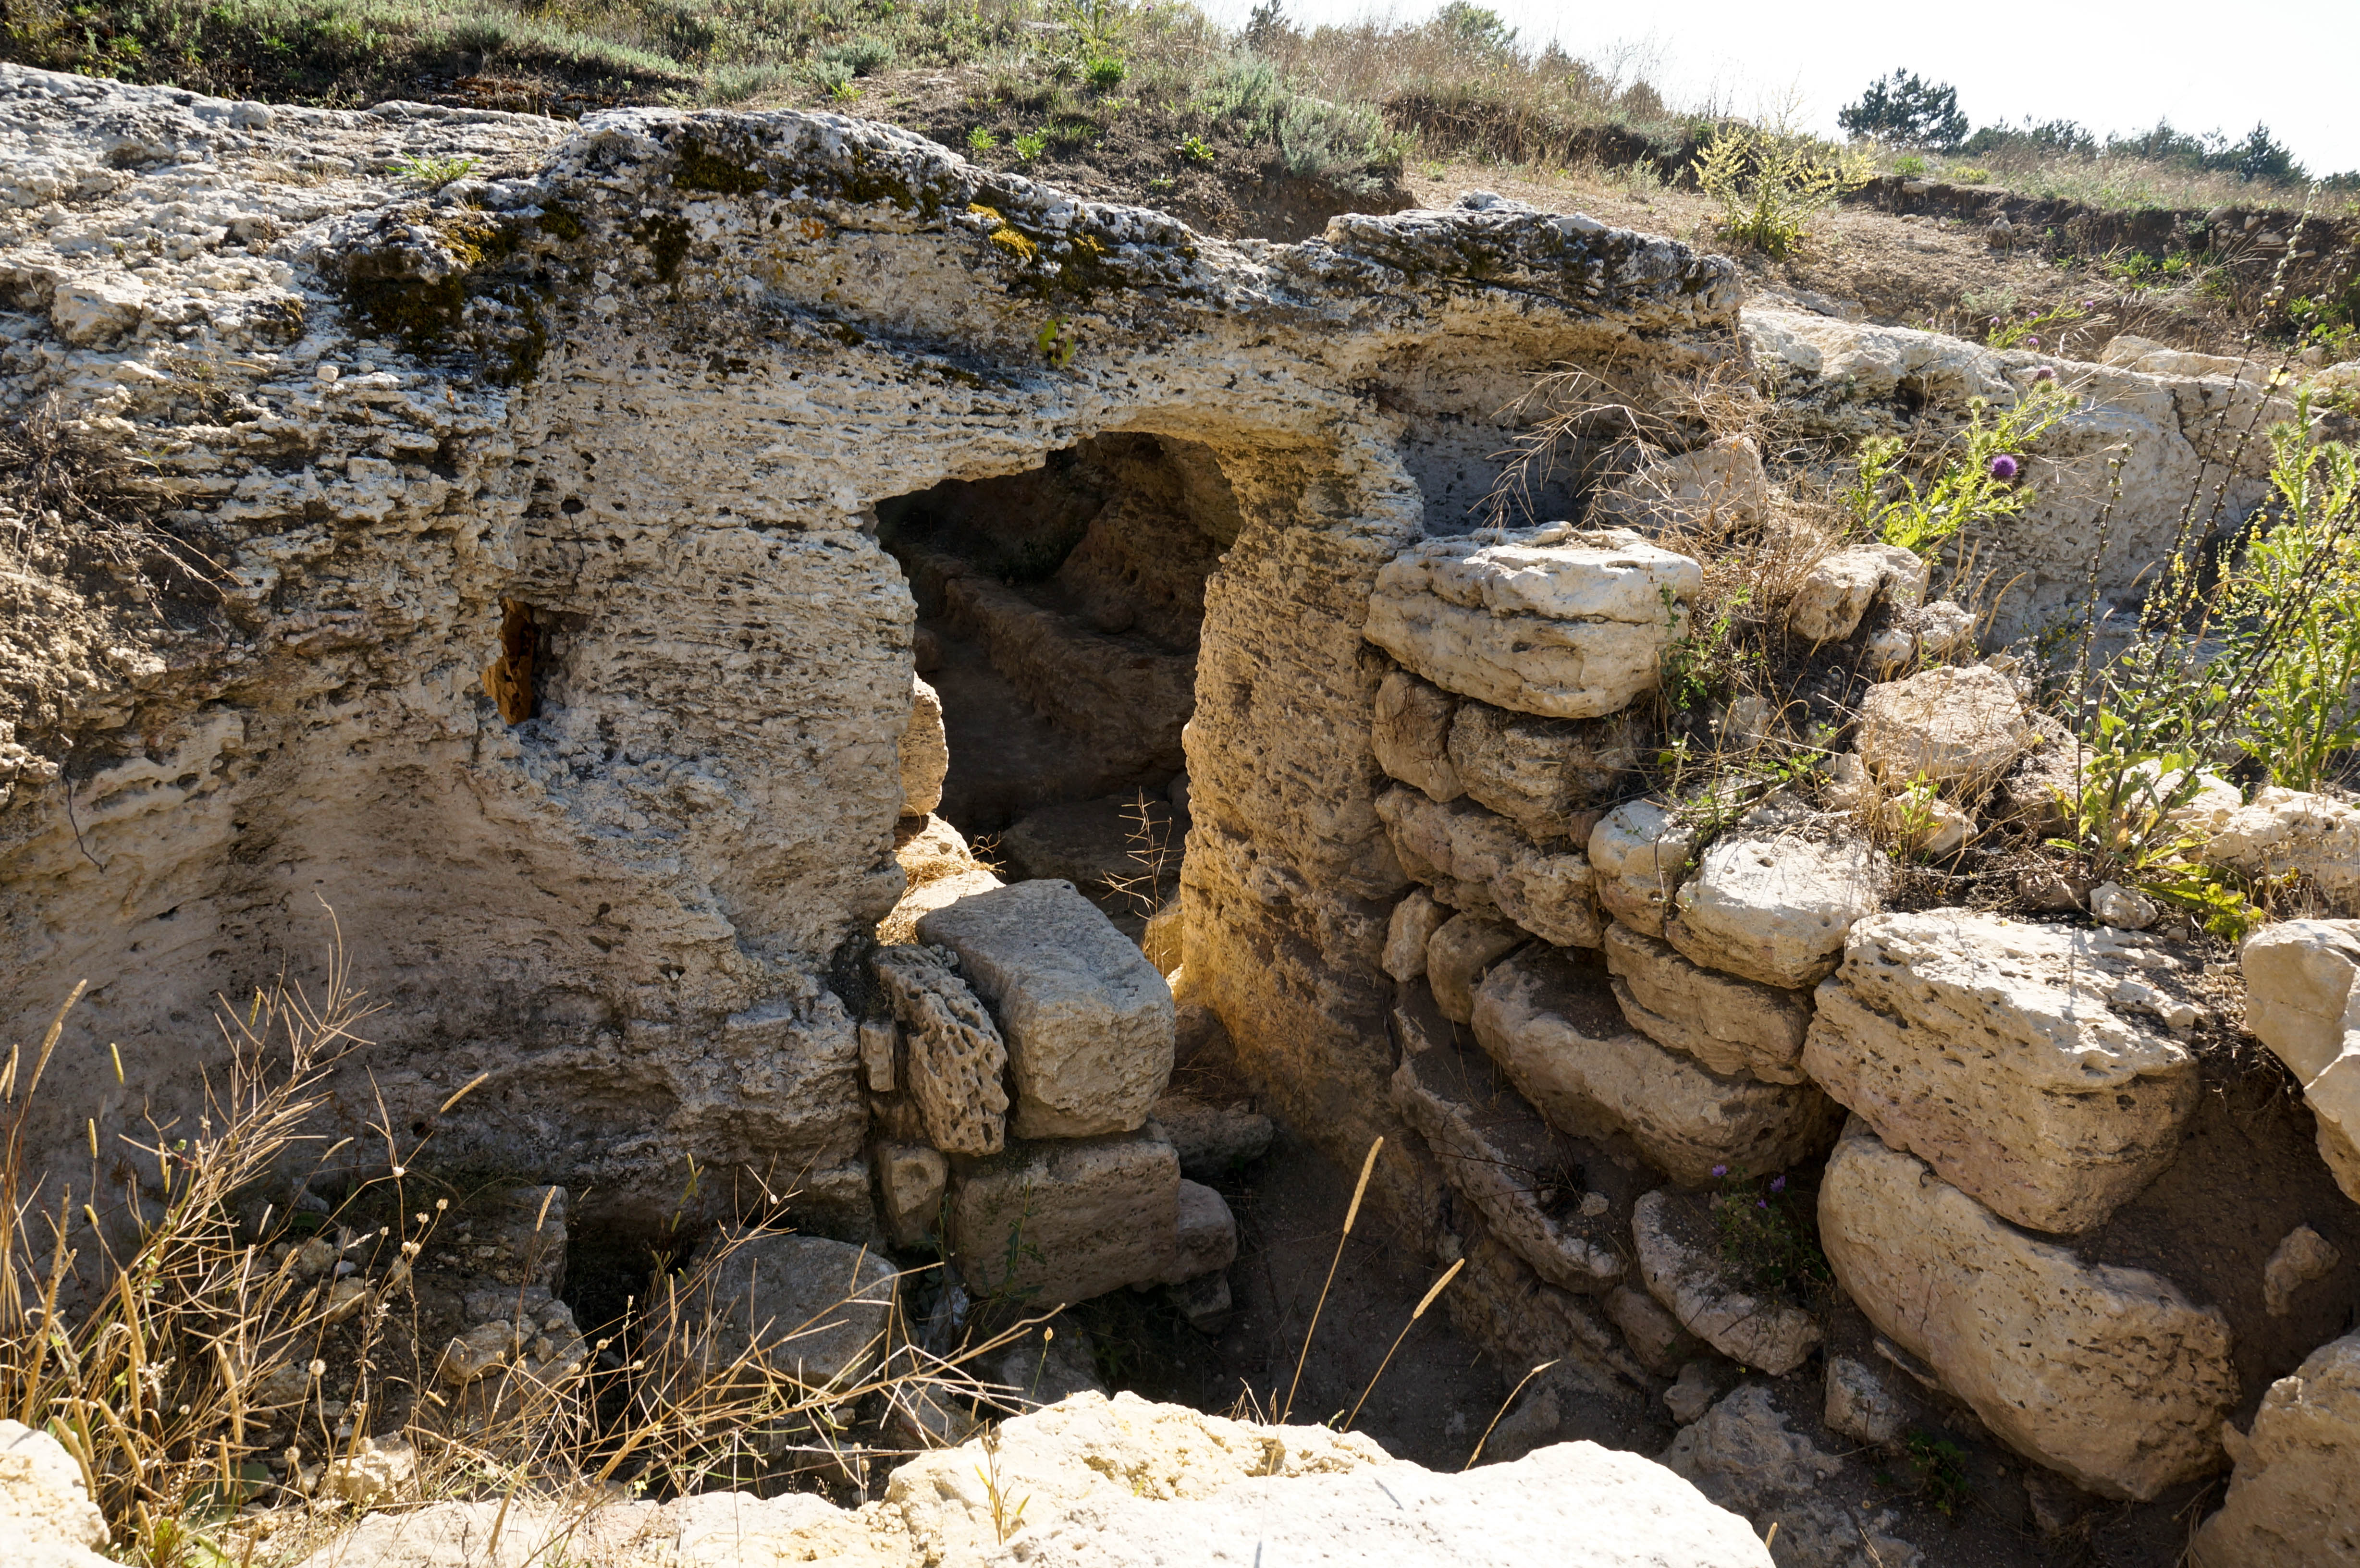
1206	1233
1773	908
1547	776
1957	725
1743	1453
2301	1002
911	1179
1840	586
1638	853
1733	1026
1460	953
1053	1222
1412	735
1698	1288
1212	1141
925	752
1861	1402
1407	931
810	1309
1478	862
956	1055
2290	1497
1718	486
46	1520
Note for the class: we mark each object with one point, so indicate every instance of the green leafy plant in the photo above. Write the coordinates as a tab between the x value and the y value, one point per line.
1765	1231
1772	184
1700	659
861	56
1106	72
981	140
1030	144
1909	166
1938	1468
2032	332
434	170
1968	174
1981	479
834	77
1196	149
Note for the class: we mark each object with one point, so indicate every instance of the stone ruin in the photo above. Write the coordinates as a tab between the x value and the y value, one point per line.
638	546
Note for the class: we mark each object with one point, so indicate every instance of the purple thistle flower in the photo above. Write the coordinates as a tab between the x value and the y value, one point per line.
2002	467
1721	1169
1760	1202
1777	1183
2034	342
2044	374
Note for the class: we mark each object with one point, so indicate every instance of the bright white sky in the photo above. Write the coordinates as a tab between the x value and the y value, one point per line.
2118	67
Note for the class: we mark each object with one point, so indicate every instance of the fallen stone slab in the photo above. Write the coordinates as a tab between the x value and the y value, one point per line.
1743	1453
1673	1239
2110	1376
1550	777
1044	1224
1552	1024
1479	863
2301	1002
1773	908
2023	1062
1087	1020
1556	621
1733	1026
2291	1500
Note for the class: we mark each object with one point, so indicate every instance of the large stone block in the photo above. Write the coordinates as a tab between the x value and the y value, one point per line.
1087	1020
955	1056
2301	1002
1551	1023
1548	776
1044	1225
1564	623
1638	853
2288	829
1411	734
1407	931
2109	1374
1476	861
1731	1025
1838	589
1773	908
2023	1062
810	1309
2294	1499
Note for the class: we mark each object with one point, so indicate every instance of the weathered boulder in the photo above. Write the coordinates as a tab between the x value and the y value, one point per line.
46	1520
1773	908
1638	853
925	754
940	868
1460	953
1053	1222
1840	587
1478	862
1551	1023
1654	1337
2294	1498
1742	1454
2023	1062
1929	633
1672	1237
2301	1001
2302	1257
1548	776
1560	621
1411	735
1087	1020
1204	1233
805	1307
954	1057
2109	1374
1407	931
2288	829
1959	726
1733	1026
1210	1140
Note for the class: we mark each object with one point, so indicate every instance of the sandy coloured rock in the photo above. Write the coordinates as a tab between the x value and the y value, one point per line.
2289	1503
1743	1453
1061	1220
1411	737
2301	1256
1550	1021
954	1057
1087	1020
809	1309
1638	853
1554	621
1840	586
1479	862
1212	1141
2023	1062
1407	929
925	755
911	1179
1714	487
1733	1026
1695	1286
1548	776
1773	908
2301	1003
1959	726
2288	829
1204	1231
1863	1401
2109	1374
46	1520
1461	952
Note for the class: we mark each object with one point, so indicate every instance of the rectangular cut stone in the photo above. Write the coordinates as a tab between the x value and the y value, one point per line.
1565	622
2011	1058
1733	1026
1773	907
1479	862
1550	775
2110	1375
1048	1224
1638	853
1550	1022
1087	1019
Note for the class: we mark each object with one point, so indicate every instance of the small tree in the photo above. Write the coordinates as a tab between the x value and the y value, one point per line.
1268	25
1901	108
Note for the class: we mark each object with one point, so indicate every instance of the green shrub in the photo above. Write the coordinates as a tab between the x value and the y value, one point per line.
1973	485
1967	174
979	139
1338	142
859	57
1030	144
1909	168
1106	74
1772	184
1768	1234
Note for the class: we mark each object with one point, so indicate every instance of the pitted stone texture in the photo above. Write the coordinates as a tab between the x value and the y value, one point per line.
1411	924
810	1309
1411	735
1715	487
1839	589
1733	1026
1087	1020
1562	623
2301	1001
1478	862
2006	1057
2109	1374
1700	1291
1773	908
2286	830
1549	775
1460	953
1053	1222
956	1055
925	755
1551	1023
1962	725
1638	851
2291	1498
46	1520
1743	1453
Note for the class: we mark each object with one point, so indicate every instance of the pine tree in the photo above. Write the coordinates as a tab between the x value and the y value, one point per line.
1902	108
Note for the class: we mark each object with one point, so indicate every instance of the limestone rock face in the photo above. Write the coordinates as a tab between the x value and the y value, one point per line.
2012	1058
1461	952
2290	1502
1547	774
956	1057
1553	1027
812	1308
1478	863
2301	1002
1412	925
1733	1026
1638	853
1957	724
1211	1140
1562	623
1698	1288
1088	1216
1412	735
1861	1402
46	1520
1087	1019
925	754
2109	1374
1773	908
2286	830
